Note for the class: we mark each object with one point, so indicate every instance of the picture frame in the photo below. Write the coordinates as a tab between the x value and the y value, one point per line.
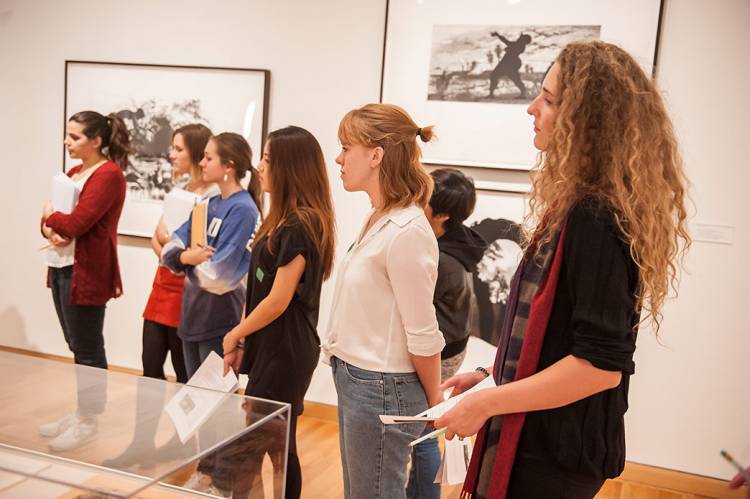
440	58
156	99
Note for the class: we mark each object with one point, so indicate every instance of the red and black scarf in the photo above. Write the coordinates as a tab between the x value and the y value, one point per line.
527	314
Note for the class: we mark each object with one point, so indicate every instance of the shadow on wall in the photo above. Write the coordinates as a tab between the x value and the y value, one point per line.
14	331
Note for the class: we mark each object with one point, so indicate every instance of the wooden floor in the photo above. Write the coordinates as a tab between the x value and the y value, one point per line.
317	438
321	471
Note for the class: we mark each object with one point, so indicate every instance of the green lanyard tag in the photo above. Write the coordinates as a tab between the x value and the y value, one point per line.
259	274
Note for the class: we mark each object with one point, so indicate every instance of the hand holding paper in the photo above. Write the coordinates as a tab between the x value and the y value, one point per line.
465	414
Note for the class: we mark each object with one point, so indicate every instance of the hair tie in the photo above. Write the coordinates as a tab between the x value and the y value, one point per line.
419	132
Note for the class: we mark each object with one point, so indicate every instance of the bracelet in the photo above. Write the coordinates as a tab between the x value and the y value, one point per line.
483	371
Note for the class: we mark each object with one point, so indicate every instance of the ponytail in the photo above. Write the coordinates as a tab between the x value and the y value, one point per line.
119	140
234	150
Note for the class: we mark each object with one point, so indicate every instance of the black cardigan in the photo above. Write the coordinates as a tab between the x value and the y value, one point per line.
594	317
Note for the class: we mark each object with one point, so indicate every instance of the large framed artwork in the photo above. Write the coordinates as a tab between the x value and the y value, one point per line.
472	68
155	100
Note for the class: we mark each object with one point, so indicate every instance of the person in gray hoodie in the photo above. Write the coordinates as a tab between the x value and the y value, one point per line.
461	248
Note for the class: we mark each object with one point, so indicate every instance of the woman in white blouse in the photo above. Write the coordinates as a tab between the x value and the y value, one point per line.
383	341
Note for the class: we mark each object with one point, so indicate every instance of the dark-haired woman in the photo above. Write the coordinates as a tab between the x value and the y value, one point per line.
292	255
214	292
83	267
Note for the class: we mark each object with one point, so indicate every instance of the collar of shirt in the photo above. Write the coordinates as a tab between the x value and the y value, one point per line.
399	216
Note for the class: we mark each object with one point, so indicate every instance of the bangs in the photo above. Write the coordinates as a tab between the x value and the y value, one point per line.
351	130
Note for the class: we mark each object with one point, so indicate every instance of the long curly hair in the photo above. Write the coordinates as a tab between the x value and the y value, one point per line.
612	140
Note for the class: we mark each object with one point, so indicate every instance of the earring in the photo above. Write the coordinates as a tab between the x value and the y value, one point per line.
225	177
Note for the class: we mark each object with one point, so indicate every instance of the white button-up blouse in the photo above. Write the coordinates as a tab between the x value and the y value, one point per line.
382	304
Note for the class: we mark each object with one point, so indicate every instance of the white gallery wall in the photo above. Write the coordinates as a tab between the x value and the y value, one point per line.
690	396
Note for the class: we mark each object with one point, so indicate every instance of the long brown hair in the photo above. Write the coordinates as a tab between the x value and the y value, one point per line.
299	187
113	132
613	140
235	152
195	136
403	179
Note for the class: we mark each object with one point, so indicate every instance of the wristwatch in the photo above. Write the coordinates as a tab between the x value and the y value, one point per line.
483	371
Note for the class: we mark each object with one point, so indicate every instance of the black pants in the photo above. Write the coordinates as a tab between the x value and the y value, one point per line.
158	340
82	327
531	479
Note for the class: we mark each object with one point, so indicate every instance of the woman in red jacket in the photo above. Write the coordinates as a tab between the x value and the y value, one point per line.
83	269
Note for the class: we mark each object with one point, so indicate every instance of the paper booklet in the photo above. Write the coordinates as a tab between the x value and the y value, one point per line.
205	391
455	462
178	204
64	193
442	408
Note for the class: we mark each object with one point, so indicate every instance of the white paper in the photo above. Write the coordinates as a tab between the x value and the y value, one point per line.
449	404
387	419
64	193
204	392
455	462
177	206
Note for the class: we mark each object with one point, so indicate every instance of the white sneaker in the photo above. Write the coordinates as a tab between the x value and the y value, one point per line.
198	481
75	436
55	428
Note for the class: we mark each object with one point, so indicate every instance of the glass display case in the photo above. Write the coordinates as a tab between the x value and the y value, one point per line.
70	431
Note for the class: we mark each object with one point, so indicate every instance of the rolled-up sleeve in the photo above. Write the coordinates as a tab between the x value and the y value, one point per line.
170	253
411	263
601	279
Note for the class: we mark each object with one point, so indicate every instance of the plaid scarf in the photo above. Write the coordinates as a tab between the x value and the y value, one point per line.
527	312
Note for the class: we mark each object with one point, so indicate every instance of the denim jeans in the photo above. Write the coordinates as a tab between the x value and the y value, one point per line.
195	352
425	456
82	327
374	455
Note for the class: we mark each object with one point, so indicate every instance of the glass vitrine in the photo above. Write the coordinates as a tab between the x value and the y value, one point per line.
70	431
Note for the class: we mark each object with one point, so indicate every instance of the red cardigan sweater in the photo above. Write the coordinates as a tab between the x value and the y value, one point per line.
93	224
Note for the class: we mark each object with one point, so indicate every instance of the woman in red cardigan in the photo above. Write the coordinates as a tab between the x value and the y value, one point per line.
83	269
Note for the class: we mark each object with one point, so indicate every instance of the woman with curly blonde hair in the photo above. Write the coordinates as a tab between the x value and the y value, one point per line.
608	232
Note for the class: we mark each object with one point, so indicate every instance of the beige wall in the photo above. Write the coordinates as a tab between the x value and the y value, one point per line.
689	397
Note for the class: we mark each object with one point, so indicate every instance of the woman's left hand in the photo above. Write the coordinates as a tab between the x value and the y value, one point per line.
466	418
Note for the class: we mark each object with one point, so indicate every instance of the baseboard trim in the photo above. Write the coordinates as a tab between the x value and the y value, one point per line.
678	481
652	476
318	410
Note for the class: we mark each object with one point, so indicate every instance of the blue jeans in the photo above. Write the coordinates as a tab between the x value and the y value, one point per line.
195	352
425	456
374	455
425	461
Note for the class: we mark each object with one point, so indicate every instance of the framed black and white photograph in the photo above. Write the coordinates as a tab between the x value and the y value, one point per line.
155	100
497	217
472	68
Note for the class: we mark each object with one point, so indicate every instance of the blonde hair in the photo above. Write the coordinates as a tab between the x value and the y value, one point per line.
613	140
403	179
